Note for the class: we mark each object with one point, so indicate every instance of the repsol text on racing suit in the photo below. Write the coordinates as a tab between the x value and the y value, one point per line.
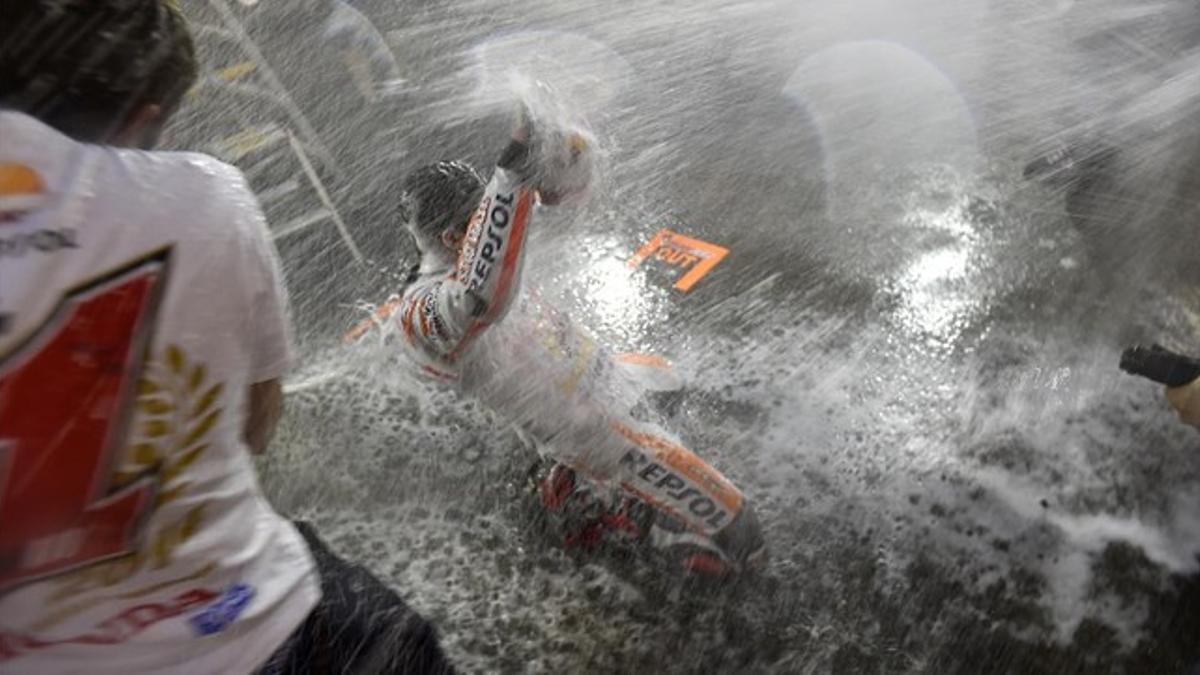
468	324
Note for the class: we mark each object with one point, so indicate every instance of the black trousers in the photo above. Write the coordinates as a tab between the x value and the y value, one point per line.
360	626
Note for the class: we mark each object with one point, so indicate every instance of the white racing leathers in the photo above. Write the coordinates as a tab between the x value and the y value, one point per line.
467	324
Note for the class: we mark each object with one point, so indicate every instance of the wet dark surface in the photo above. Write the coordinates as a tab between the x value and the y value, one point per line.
907	360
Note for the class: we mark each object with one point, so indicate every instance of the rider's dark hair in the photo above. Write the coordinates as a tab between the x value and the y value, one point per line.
83	66
441	196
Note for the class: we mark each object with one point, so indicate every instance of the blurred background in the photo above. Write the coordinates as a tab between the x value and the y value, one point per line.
944	219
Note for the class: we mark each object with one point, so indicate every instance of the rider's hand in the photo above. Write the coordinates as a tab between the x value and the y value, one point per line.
523	130
519	156
566	171
1186	401
556	161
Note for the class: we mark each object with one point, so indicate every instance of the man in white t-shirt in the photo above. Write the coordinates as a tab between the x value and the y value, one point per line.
1186	401
143	334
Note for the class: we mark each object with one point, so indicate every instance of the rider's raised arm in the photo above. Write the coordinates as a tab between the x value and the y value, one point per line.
442	316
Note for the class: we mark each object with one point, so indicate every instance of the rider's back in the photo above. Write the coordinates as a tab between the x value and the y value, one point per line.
139	300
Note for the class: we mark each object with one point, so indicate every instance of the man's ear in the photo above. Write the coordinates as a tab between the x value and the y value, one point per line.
140	129
452	239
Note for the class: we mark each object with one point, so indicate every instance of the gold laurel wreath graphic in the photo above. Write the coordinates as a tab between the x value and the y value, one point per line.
176	408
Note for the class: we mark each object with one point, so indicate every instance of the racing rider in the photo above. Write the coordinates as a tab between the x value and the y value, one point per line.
465	321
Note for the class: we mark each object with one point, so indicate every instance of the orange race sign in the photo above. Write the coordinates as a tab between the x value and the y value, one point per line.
696	256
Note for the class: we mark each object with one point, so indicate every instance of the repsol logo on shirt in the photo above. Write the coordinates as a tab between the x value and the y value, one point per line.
498	219
664	480
41	241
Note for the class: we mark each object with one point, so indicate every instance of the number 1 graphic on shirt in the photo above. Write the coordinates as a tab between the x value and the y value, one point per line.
65	403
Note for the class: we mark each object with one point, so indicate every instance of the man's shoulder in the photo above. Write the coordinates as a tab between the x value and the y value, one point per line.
121	170
190	185
182	173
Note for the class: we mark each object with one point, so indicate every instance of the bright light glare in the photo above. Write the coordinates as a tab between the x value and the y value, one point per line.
618	296
937	298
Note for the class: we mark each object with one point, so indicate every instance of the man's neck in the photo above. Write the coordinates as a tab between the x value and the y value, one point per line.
436	261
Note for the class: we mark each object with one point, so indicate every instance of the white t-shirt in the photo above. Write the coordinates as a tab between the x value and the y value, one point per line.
139	300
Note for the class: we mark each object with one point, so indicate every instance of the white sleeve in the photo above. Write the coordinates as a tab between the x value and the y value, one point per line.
269	322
